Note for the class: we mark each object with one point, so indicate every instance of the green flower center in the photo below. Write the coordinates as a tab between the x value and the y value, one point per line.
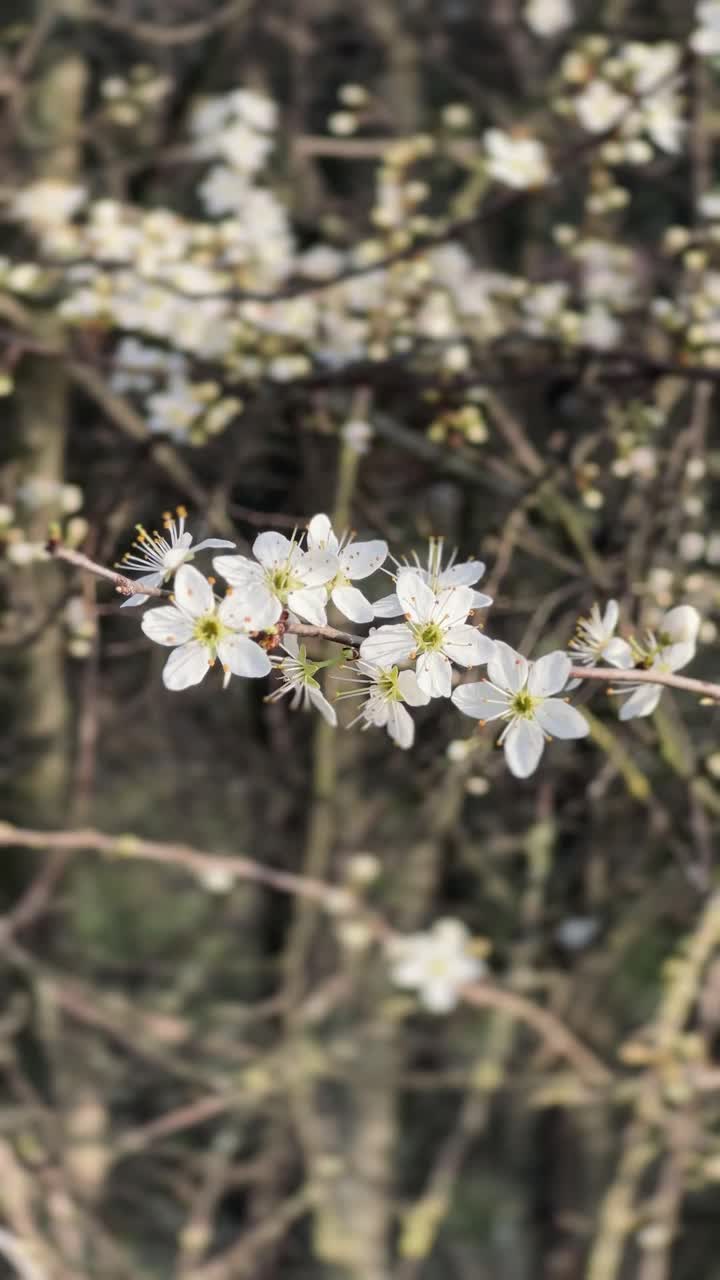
282	581
429	636
209	630
388	686
523	704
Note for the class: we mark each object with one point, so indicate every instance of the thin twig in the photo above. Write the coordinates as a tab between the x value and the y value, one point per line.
703	688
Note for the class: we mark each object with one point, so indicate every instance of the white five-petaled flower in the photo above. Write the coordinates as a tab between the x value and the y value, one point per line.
386	690
437	964
517	162
599	106
299	678
669	649
595	640
437	577
295	578
201	631
435	632
520	692
354	561
163	555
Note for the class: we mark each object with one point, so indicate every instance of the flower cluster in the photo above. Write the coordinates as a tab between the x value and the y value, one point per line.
436	964
198	310
279	596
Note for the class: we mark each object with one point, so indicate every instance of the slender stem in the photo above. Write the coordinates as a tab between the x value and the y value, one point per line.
638	676
123	585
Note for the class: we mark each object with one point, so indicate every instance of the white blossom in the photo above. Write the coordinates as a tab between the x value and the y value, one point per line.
255	109
296	579
595	640
436	964
435	634
705	40
465	574
599	106
385	691
547	18
162	555
245	150
201	631
354	561
599	328
520	692
517	162
671	647
662	120
298	674
48	203
223	190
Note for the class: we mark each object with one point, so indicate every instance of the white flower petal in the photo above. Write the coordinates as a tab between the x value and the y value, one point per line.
411	691
642	702
272	549
251	608
680	625
320	536
453	606
316	567
238	569
462	575
321	704
480	601
434	674
523	745
167	625
243	656
193	593
676	656
549	674
480	701
610	617
507	668
467	646
376	710
559	720
309	603
352	604
132	602
387	607
416	598
400	725
618	653
406	959
360	559
389	645
440	995
208	543
185	666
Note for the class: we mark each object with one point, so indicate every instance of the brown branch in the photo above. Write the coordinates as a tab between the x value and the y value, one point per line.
487	995
636	676
333	898
125	586
181	856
